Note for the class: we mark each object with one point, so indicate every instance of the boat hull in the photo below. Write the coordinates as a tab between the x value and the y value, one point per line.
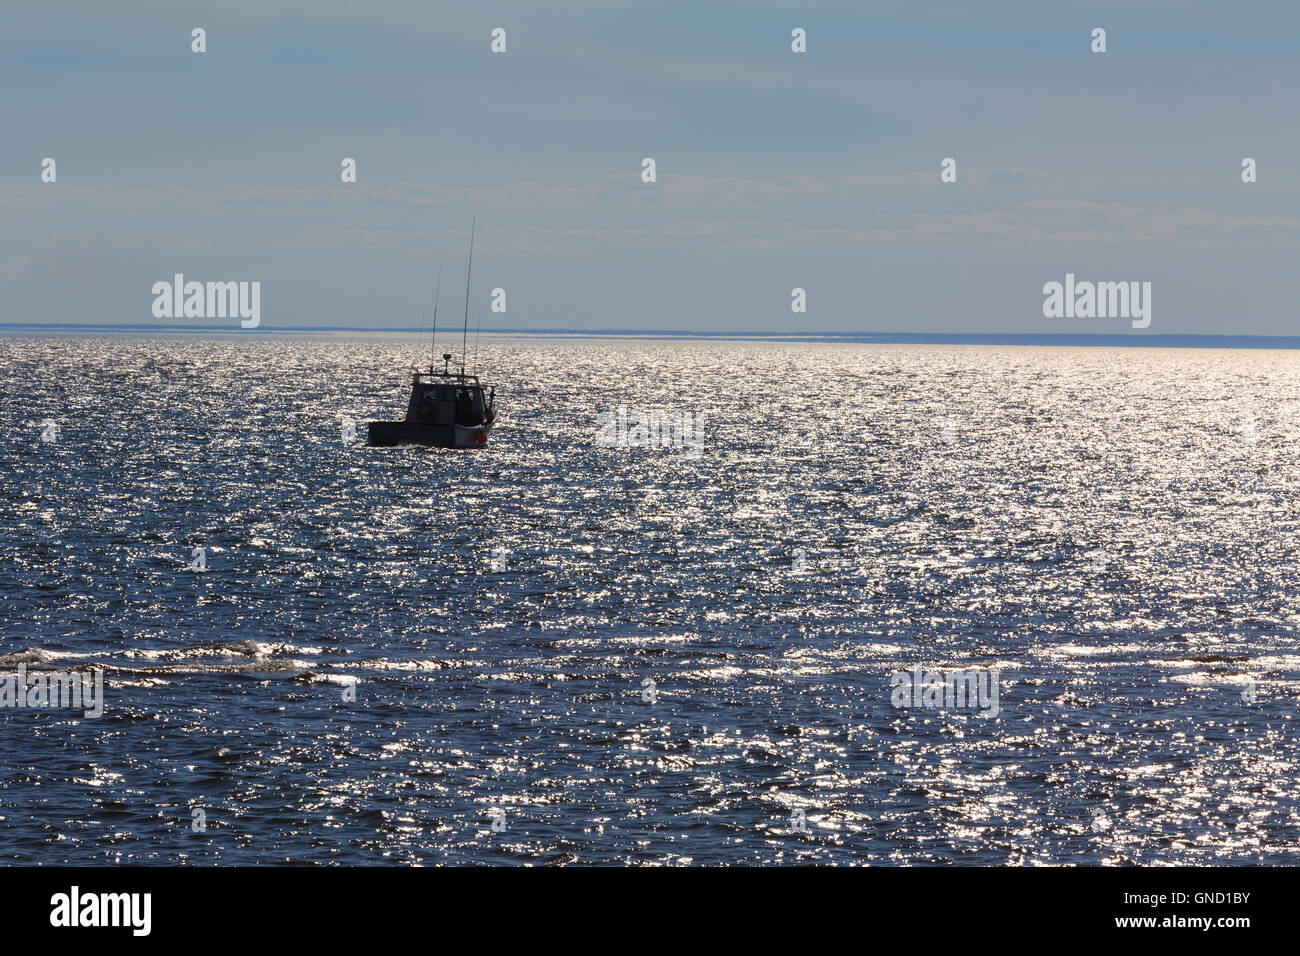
388	434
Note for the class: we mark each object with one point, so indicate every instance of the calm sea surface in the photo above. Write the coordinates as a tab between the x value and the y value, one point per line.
636	655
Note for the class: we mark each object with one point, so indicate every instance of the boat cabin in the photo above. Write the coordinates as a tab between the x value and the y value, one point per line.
447	399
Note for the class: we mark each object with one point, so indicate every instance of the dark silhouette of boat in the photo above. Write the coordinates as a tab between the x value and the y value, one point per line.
449	409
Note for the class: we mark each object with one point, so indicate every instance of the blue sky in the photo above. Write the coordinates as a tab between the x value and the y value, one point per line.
775	170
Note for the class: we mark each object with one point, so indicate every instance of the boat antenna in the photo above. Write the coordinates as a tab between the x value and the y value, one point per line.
433	344
468	271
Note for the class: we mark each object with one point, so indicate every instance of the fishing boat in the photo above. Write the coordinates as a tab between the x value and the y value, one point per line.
447	408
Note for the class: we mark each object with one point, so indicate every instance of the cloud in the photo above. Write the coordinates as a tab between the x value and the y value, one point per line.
1004	177
785	211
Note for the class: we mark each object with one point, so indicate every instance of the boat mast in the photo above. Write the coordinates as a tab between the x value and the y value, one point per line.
433	344
468	271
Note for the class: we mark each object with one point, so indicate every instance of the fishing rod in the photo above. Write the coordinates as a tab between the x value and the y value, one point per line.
478	328
468	272
433	343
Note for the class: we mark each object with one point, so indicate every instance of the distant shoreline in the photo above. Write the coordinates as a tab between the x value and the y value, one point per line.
1075	340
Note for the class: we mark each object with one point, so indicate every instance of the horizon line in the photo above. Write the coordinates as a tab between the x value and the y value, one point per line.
1086	339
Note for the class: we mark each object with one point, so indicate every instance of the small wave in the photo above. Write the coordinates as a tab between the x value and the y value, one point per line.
32	655
276	670
249	648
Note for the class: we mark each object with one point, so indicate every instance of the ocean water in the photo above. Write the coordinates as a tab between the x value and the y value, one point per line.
567	653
